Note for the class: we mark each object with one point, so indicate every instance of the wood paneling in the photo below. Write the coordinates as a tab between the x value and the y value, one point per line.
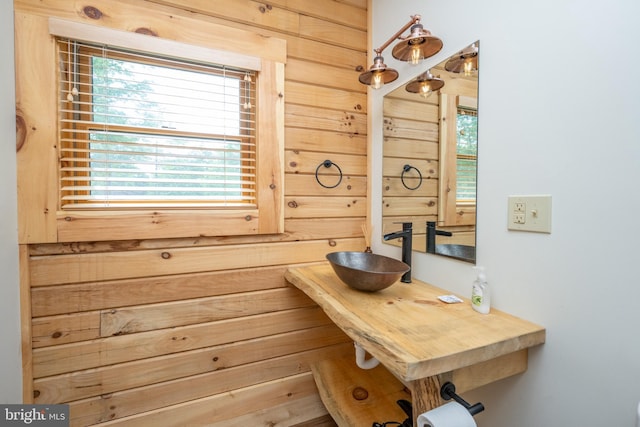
202	310
224	407
117	349
195	331
329	142
290	347
313	118
48	301
75	268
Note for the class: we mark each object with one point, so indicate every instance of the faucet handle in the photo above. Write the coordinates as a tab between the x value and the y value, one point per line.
406	225
431	225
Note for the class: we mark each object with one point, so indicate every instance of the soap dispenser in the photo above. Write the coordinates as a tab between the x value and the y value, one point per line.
480	293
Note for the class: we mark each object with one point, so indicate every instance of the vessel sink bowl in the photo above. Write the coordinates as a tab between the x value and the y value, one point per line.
365	271
461	252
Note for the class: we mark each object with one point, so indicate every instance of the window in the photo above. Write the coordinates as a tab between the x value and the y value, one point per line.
137	130
466	154
140	154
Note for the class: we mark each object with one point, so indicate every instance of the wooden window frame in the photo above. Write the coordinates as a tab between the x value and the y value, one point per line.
451	212
38	165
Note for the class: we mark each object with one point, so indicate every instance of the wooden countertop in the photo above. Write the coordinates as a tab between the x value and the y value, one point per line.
409	330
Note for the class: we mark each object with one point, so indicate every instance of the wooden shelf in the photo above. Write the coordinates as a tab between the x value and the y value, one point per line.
358	397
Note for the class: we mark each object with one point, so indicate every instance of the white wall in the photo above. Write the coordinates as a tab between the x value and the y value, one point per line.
559	112
11	366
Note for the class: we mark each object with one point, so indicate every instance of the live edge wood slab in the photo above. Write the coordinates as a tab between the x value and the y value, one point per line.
422	341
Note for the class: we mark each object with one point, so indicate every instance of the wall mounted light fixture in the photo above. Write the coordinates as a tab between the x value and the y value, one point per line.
415	47
425	84
465	61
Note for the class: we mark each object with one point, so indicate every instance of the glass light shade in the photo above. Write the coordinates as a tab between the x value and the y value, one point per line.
425	90
377	80
425	84
469	67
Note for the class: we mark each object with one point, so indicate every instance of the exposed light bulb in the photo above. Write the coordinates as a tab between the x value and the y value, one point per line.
377	80
467	68
425	90
416	55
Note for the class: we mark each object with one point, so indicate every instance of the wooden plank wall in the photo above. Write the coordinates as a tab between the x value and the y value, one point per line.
206	331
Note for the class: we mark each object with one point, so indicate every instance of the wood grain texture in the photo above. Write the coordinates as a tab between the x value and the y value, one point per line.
37	158
355	397
76	268
77	225
226	406
409	330
134	401
202	310
26	332
72	357
49	301
202	330
210	370
304	408
409	206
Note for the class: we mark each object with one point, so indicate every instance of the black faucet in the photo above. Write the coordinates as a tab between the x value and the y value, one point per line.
406	235
431	236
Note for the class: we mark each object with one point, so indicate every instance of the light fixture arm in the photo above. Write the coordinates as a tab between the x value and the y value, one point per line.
419	44
414	20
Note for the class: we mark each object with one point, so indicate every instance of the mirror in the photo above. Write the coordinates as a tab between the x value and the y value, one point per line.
430	157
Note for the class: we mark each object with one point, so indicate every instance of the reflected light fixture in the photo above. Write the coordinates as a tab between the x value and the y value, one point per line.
465	62
425	84
415	47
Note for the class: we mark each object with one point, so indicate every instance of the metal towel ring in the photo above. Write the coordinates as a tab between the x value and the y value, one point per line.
327	164
407	168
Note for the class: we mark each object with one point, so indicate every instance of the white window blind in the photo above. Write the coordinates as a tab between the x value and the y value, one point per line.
466	154
137	130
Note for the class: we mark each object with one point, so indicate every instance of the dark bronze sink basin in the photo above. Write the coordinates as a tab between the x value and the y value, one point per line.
366	271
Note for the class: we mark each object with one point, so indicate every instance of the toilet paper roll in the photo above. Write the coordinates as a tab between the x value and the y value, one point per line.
451	414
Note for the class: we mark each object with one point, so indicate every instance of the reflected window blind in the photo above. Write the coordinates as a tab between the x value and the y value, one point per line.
137	130
467	154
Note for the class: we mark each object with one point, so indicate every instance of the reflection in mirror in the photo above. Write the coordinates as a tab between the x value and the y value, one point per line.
430	157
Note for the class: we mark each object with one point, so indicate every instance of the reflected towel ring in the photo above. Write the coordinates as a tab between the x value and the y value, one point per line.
327	164
407	168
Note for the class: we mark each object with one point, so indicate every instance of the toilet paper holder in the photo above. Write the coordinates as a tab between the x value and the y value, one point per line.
448	392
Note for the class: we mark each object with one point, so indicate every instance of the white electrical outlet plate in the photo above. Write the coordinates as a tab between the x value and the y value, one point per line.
530	213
